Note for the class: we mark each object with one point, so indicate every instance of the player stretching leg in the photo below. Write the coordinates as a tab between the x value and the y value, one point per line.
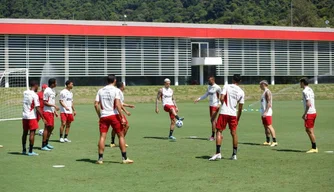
310	113
168	101
67	111
213	92
266	112
29	121
50	110
231	97
109	110
121	87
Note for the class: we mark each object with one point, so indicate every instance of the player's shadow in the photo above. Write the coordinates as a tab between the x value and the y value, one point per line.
196	138
289	150
55	141
161	138
15	153
248	143
206	157
94	161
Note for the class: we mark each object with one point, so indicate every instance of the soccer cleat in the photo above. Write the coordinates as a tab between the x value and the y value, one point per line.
126	145
312	151
266	143
99	161
273	144
181	118
172	138
112	145
49	146
234	157
127	161
211	139
32	154
61	140
45	149
67	140
215	157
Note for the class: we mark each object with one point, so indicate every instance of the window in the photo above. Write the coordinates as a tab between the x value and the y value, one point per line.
200	49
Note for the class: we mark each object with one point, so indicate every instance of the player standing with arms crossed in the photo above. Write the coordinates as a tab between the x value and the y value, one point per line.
109	110
213	92
41	101
232	96
121	87
50	110
310	113
29	121
67	111
266	114
166	95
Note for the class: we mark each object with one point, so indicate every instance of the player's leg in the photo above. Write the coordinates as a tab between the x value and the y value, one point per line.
309	128
61	129
67	131
32	142
232	123
220	126
113	134
171	128
119	129
24	136
273	135
213	117
104	125
50	129
173	111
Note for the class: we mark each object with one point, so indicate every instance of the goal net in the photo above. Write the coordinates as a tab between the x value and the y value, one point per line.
12	84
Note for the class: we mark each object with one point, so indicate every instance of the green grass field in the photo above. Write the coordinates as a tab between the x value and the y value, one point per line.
161	165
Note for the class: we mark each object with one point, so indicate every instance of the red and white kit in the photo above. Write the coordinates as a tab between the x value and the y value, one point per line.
167	100
30	102
48	112
213	92
267	120
308	95
228	113
67	97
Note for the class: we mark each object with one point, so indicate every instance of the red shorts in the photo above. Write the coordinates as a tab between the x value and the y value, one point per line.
223	120
168	108
50	119
65	117
266	121
310	119
114	121
213	109
29	124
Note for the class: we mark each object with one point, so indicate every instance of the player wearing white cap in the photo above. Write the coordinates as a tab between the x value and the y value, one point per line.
166	95
213	92
266	114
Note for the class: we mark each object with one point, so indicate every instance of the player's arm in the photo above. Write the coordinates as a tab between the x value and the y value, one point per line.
308	104
202	97
97	105
157	100
46	103
241	102
128	105
119	109
268	96
74	112
62	103
174	102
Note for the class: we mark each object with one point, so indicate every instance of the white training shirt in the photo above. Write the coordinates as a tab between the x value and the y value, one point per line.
264	103
233	95
308	95
30	102
213	92
50	97
167	96
67	97
121	95
107	96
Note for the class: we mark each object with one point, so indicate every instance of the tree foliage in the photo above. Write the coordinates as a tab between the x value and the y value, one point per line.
306	13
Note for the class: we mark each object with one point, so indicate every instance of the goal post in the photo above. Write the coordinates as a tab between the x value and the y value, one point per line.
13	82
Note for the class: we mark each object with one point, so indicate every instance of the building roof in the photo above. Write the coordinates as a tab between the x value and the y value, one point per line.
153	29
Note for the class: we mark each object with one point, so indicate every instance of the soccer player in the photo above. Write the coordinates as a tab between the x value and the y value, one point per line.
310	113
29	121
232	96
213	92
266	114
168	101
109	109
121	87
67	111
41	101
50	110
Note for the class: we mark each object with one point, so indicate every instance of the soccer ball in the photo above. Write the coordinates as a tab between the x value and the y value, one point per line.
40	132
179	123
